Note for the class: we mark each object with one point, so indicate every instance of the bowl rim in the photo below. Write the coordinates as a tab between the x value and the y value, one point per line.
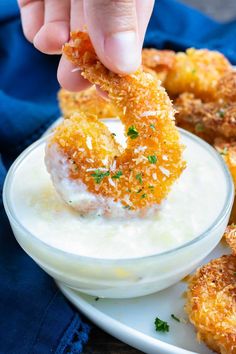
214	225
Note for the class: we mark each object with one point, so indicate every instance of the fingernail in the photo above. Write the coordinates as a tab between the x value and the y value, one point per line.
123	52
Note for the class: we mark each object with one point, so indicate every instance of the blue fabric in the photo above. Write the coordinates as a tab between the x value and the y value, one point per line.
35	317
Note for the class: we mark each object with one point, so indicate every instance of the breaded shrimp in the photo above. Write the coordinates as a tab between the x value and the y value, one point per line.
208	120
138	177
230	236
87	101
197	72
226	87
158	62
211	304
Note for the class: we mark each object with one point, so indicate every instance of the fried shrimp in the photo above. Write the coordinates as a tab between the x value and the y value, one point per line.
208	120
211	304
230	236
197	72
88	101
136	178
158	62
226	87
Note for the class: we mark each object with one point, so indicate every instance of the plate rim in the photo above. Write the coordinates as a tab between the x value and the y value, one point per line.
124	333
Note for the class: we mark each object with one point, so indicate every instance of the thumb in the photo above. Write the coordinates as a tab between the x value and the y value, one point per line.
113	29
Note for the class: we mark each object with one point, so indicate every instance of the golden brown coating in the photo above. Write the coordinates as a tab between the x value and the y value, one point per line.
207	120
197	72
226	88
87	101
230	236
228	151
211	304
158	62
143	173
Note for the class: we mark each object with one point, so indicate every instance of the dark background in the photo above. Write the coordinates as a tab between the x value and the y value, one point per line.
100	342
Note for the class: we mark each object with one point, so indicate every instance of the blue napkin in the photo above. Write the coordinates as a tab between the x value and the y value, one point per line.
35	317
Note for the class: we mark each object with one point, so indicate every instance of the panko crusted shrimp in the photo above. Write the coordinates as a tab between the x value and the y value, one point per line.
87	101
197	72
211	304
118	180
208	120
158	62
230	237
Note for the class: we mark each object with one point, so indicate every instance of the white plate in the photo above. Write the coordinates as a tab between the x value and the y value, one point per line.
132	320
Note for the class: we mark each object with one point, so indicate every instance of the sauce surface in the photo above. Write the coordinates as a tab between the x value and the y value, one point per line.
191	207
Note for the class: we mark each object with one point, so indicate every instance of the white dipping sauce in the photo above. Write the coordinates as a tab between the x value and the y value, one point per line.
193	204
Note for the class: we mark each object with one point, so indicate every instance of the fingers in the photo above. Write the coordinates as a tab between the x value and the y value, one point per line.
113	28
55	31
144	11
69	77
32	17
77	20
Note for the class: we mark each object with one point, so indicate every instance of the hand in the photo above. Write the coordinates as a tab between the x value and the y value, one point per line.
116	28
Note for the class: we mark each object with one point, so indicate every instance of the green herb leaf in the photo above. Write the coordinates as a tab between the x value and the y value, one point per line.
152	158
199	127
152	126
117	175
99	175
127	207
132	132
161	326
221	113
139	178
175	318
194	71
224	152
143	196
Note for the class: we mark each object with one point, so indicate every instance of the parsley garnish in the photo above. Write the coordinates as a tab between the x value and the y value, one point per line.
143	195
117	175
194	71
99	175
199	127
139	177
221	113
152	126
224	151
152	158
161	326
175	318
132	132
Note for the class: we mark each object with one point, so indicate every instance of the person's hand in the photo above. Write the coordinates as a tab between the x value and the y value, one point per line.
116	28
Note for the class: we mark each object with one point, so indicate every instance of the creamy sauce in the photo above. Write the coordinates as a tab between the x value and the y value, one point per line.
192	206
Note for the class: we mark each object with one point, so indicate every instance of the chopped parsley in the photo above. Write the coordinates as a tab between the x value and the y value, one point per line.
199	127
127	207
221	113
175	318
194	71
117	175
139	178
132	132
139	190
152	126
99	175
224	152
161	326
114	134
152	158
143	196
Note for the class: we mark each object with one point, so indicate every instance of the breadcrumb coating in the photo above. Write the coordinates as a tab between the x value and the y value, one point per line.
207	120
211	304
197	72
87	101
226	87
142	174
158	62
230	236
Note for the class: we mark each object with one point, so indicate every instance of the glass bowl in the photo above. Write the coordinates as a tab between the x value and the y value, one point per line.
120	278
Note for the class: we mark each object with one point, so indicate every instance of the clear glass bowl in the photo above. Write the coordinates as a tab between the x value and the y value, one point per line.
120	278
